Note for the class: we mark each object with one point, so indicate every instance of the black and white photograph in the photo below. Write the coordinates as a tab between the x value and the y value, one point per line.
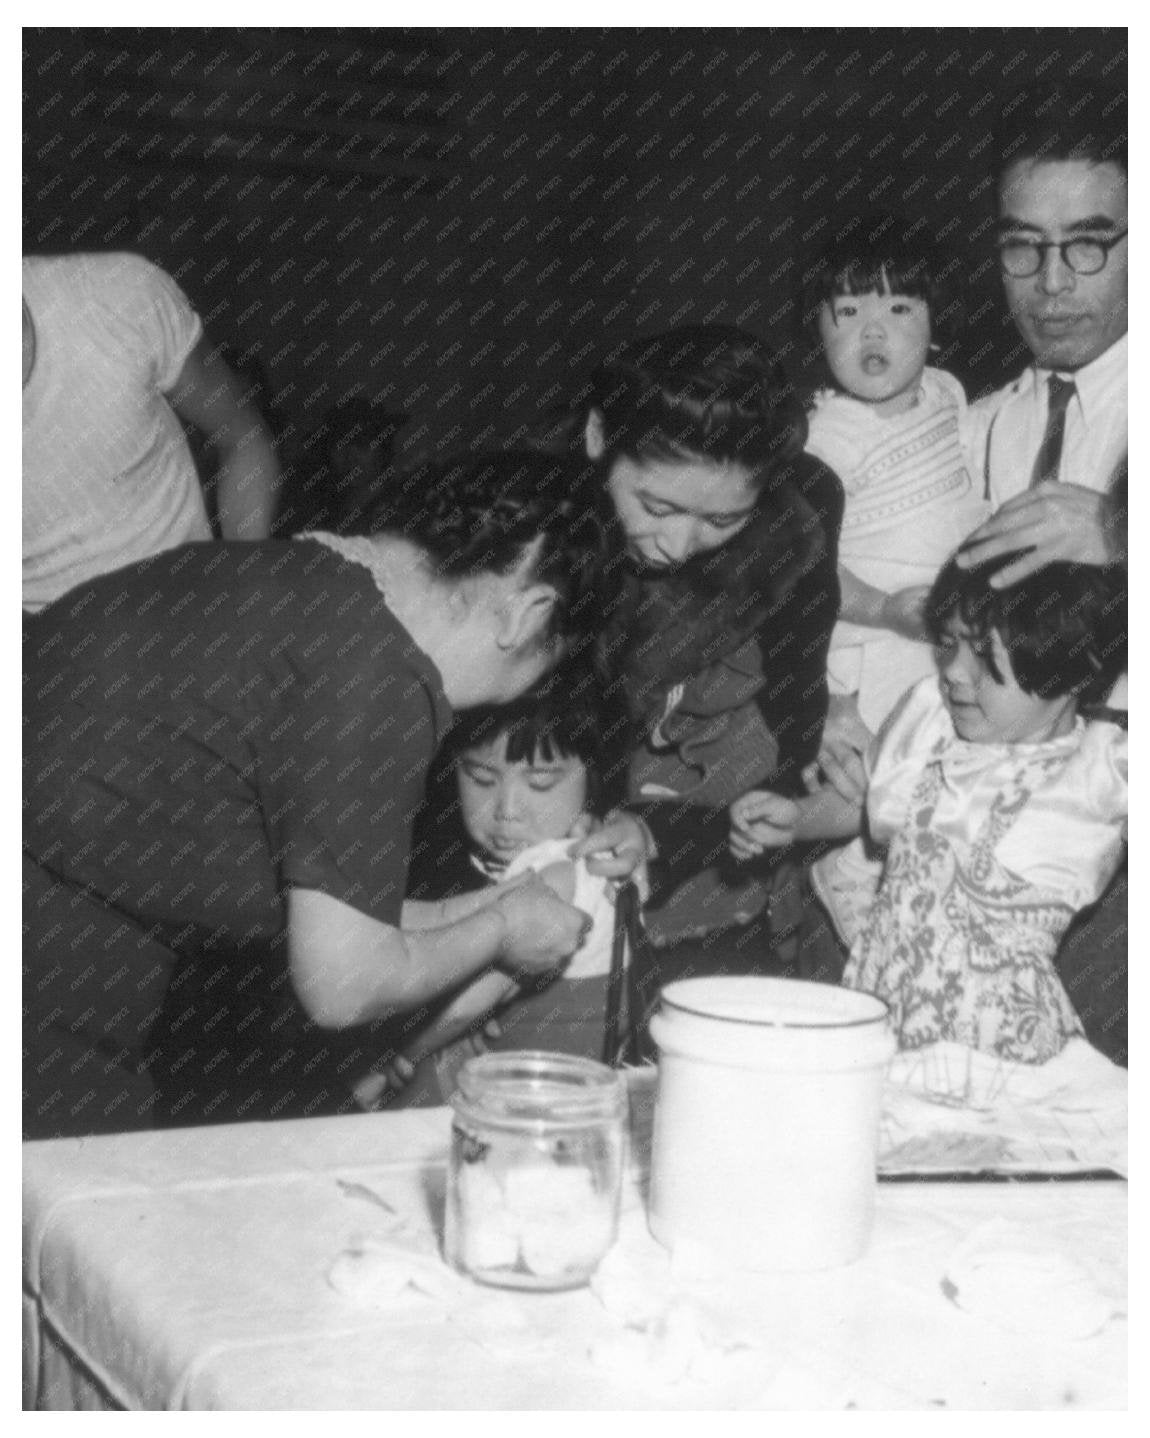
574	785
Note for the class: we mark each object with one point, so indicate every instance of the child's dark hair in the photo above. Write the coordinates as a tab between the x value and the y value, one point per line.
877	253
1064	627
569	715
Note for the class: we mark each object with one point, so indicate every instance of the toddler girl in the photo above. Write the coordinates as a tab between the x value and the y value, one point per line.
893	430
1001	812
527	779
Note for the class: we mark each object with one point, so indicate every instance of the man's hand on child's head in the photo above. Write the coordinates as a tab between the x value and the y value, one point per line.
1050	523
761	820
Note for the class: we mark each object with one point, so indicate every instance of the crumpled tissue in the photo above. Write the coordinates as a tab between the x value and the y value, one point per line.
374	1271
667	1328
1000	1272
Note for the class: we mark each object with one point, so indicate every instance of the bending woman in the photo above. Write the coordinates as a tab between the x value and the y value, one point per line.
730	599
224	749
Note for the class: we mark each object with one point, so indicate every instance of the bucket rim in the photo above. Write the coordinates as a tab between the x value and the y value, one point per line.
880	1014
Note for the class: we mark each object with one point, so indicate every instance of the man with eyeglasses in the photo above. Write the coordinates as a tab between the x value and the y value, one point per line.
1053	442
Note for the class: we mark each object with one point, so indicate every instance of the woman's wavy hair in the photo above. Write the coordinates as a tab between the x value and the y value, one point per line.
484	513
1063	627
703	390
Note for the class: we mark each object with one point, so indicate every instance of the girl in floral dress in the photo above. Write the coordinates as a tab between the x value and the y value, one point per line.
1001	810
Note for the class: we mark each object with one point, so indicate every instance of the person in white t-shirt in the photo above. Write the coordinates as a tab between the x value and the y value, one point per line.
114	363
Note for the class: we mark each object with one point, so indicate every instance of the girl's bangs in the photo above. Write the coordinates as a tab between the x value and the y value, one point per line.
879	276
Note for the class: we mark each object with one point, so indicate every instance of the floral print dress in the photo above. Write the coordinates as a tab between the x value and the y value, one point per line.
991	850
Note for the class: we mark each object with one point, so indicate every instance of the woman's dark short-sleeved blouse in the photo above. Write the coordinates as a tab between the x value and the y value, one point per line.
219	723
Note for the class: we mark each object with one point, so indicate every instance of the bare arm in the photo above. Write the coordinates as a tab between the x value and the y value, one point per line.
762	820
492	988
419	914
899	610
348	968
208	395
465	1012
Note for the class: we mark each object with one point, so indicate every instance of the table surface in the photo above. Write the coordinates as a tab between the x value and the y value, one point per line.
189	1269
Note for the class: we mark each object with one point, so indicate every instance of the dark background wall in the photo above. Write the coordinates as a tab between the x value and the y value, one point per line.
458	222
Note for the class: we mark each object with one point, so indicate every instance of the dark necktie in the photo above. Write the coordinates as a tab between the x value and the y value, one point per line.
1050	452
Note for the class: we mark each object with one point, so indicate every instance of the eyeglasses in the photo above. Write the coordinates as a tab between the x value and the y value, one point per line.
1023	258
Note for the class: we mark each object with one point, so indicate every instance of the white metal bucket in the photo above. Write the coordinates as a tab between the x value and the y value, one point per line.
766	1120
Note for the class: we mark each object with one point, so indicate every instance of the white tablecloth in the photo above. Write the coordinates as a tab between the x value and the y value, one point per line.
189	1269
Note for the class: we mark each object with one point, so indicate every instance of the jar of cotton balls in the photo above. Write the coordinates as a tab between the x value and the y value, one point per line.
536	1165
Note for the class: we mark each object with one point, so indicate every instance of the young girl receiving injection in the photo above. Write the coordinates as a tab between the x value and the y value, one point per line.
1000	809
527	777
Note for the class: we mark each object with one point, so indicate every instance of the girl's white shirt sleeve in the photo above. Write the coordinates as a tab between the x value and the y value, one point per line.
594	894
1070	839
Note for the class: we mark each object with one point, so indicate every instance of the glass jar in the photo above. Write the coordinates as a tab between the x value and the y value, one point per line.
535	1169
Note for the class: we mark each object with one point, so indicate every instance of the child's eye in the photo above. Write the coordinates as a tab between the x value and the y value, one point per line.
901	307
657	511
541	783
483	781
845	311
725	521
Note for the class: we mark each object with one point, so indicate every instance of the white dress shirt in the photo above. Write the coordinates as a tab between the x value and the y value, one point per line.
1010	424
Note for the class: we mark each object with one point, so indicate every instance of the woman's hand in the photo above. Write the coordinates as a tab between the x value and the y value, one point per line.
616	847
761	820
540	929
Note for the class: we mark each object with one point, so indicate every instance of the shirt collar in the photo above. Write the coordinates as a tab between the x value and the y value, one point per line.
1094	382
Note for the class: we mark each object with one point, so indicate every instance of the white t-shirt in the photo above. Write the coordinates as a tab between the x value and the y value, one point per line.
108	477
